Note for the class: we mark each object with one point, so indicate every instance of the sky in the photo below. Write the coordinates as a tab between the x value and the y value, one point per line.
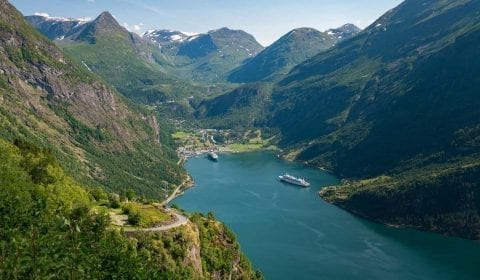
267	20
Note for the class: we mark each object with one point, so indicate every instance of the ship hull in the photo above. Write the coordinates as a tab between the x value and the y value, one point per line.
293	182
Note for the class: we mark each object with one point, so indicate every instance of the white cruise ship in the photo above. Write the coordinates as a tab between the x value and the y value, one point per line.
294	180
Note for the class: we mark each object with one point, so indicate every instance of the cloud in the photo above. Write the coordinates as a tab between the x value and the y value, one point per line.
42	14
138	27
91	1
135	27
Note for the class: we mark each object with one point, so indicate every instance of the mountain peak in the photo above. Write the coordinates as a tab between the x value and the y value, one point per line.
104	25
301	31
349	27
106	21
223	29
344	32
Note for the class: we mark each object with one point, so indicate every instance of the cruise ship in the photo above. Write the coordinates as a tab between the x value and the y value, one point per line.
212	156
294	180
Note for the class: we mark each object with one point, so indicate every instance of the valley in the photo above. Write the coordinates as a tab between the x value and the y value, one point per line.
103	131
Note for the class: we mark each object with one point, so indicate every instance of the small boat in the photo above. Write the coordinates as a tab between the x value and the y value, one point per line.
294	180
212	156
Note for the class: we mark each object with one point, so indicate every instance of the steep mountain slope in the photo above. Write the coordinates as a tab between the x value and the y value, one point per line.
207	57
401	98
291	49
243	107
98	137
123	59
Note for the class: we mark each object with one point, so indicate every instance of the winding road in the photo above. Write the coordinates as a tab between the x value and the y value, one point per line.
180	220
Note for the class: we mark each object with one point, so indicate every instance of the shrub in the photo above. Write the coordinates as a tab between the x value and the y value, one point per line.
134	218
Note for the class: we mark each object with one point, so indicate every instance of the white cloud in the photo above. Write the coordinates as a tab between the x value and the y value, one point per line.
42	14
134	28
91	1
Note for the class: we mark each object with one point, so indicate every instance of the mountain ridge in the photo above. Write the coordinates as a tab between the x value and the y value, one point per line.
291	49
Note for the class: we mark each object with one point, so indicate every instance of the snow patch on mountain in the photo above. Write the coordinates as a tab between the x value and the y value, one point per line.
47	17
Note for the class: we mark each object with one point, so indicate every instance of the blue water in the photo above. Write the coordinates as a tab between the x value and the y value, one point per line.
288	232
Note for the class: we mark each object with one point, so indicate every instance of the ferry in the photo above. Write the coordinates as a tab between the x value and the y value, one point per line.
212	156
294	180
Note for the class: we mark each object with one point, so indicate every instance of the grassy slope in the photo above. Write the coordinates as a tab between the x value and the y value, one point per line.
117	60
243	107
279	58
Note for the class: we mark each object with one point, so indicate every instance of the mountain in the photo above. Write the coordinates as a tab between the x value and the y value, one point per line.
167	38
344	32
99	138
240	108
134	66
55	28
291	49
395	106
105	25
206	57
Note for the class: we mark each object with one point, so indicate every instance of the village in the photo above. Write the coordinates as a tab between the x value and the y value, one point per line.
200	141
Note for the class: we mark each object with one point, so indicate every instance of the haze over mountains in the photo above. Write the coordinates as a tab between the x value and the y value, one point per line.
395	103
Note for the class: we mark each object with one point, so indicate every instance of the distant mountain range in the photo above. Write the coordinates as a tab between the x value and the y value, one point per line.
56	28
216	56
205	57
293	48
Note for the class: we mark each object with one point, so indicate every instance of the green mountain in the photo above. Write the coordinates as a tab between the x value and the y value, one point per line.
296	46
397	104
132	65
243	107
205	57
98	137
